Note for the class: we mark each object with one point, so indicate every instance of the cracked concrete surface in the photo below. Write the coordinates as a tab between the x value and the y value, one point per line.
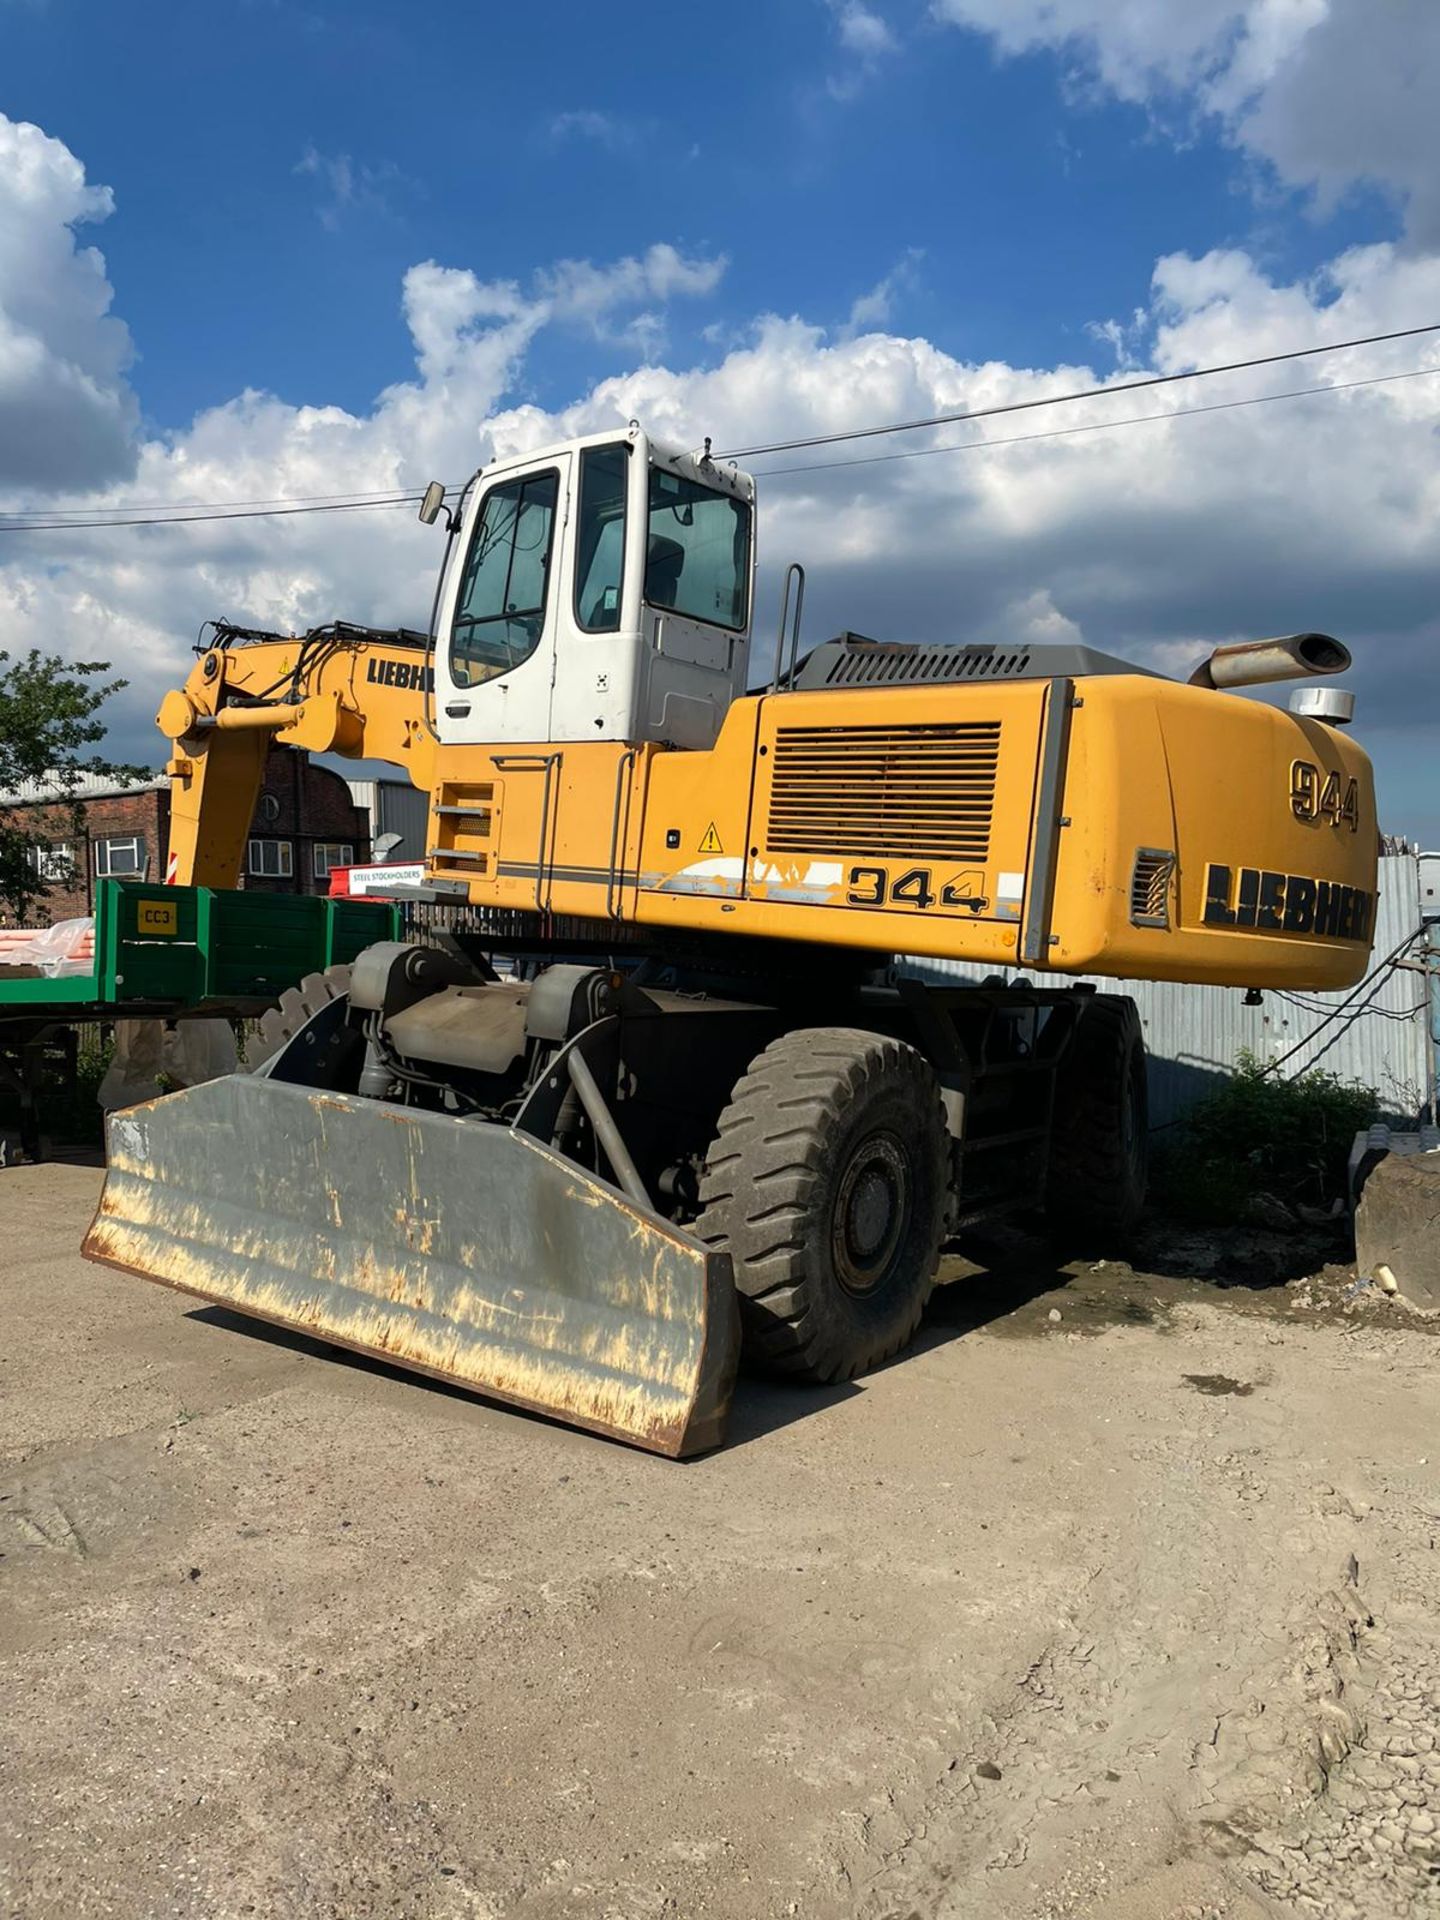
1125	1616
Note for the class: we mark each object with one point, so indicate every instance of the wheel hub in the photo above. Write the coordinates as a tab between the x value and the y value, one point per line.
872	1206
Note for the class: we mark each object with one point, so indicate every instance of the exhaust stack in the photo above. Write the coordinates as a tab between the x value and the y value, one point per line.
1256	663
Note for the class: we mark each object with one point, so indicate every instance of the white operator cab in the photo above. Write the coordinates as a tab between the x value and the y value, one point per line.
599	590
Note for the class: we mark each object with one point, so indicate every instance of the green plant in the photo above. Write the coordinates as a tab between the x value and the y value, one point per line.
48	708
1257	1134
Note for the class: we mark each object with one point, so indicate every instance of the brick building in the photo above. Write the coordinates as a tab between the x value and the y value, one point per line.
306	822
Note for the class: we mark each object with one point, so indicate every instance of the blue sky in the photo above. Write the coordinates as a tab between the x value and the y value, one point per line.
276	168
251	248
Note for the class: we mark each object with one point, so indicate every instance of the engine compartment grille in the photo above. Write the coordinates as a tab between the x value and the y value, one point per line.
1150	887
876	665
895	792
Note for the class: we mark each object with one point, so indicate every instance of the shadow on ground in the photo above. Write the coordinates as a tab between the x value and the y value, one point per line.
1240	1255
1016	1283
760	1406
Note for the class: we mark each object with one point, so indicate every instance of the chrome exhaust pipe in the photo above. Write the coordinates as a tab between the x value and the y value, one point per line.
1255	663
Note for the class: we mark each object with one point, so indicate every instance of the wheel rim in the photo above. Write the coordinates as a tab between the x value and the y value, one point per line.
872	1207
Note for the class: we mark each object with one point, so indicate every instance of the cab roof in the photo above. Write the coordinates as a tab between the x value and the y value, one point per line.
690	466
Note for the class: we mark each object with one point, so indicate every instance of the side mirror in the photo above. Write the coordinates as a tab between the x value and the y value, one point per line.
433	503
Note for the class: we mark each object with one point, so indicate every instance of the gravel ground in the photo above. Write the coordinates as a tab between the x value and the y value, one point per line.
1114	1599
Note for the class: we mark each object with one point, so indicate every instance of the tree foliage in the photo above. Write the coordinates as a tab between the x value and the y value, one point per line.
48	708
1256	1134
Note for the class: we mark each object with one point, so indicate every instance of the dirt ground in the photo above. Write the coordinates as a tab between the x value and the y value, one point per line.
1115	1598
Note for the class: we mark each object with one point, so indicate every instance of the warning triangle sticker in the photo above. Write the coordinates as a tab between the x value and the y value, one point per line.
710	842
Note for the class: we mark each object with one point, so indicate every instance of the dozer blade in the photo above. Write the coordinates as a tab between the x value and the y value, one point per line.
464	1250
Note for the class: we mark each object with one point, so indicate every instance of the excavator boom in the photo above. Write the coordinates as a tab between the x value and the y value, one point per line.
341	689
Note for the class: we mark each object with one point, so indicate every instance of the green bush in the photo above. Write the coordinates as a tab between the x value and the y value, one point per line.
1261	1134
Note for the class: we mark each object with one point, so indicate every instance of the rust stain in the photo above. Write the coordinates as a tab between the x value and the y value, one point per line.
662	1433
624	1346
620	1381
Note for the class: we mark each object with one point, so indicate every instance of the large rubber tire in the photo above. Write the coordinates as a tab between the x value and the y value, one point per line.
1099	1144
827	1184
279	1024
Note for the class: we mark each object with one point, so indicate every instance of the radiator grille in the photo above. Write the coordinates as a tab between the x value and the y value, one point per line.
894	792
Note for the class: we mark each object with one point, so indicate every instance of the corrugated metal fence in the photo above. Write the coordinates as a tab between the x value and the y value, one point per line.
1382	1038
395	806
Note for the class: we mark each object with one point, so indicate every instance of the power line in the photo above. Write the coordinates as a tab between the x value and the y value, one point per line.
129	514
1400	1016
192	519
1378	974
198	511
1094	426
379	497
1066	399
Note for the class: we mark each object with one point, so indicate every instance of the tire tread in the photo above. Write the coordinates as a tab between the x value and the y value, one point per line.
772	1142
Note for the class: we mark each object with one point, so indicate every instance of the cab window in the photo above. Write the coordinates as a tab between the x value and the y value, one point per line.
501	610
600	541
697	561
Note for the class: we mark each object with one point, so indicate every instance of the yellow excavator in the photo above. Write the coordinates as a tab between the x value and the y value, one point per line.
658	1090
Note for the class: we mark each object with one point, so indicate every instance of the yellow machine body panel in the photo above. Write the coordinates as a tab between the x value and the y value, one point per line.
1116	824
1270	817
1120	825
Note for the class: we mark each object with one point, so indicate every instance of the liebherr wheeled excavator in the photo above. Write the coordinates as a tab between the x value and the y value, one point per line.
659	1091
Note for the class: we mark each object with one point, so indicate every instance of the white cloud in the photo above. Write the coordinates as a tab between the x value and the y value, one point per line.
865	38
1152	541
1331	93
1136	47
1036	621
452	313
587	123
463	326
578	289
862	31
1125	338
66	410
1357	101
876	307
349	186
591	296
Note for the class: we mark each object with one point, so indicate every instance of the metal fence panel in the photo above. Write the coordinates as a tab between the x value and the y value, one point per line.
1195	1035
395	806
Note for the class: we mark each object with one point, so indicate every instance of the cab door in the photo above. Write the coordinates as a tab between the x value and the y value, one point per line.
496	664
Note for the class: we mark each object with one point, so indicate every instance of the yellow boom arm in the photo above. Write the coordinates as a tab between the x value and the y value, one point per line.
340	689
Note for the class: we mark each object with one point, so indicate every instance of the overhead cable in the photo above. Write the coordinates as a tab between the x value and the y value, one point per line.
380	496
1093	426
1068	398
129	514
192	519
1374	979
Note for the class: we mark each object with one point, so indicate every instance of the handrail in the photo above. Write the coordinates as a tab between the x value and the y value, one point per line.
796	573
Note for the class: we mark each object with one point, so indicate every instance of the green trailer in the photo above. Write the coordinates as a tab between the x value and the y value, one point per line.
172	953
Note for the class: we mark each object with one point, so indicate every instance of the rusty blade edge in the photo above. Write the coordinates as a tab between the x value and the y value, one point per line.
666	1441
